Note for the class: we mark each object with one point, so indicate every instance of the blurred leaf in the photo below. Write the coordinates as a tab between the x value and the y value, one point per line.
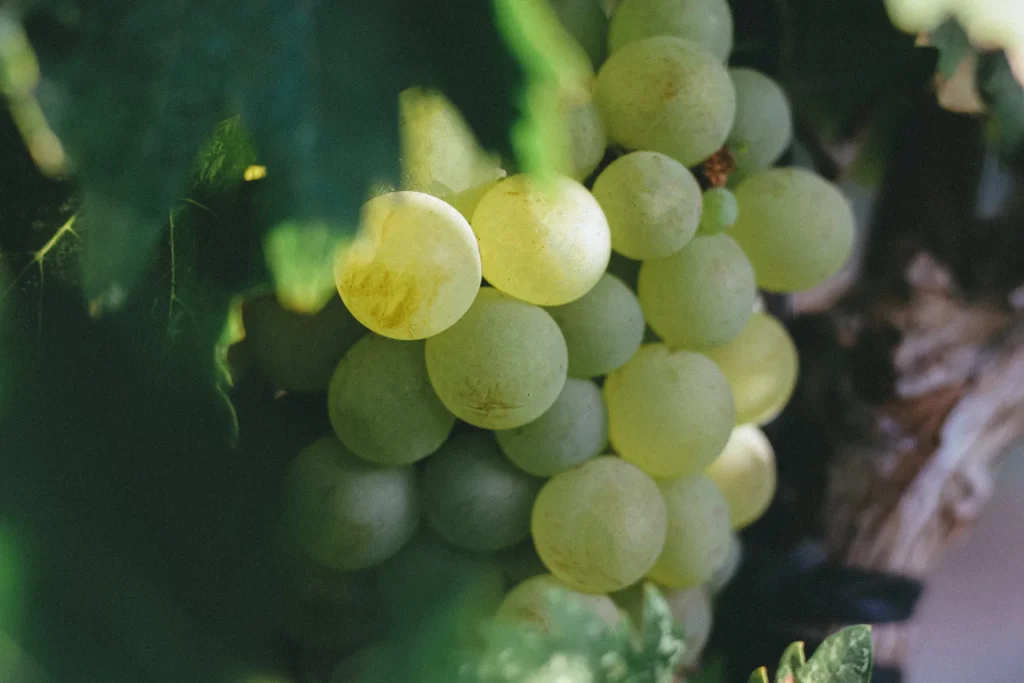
953	46
792	659
1004	98
759	676
843	657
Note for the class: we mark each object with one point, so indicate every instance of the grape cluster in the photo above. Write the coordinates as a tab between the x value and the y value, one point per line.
608	424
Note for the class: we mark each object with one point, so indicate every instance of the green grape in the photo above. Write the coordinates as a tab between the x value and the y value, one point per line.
545	241
440	154
761	365
382	406
669	412
652	202
574	429
697	541
414	268
586	135
599	527
745	474
587	23
298	352
763	127
530	602
667	95
796	227
706	22
502	365
474	498
602	329
429	584
691	607
719	213
346	513
701	296
727	570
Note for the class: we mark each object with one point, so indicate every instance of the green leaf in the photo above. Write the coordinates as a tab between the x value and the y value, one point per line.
843	657
316	84
1004	97
759	676
792	659
953	45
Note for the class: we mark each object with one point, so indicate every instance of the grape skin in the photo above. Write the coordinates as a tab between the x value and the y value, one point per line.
598	548
701	296
706	22
502	365
667	95
796	228
691	607
652	203
587	23
382	406
474	498
745	474
346	513
602	329
698	536
763	128
413	270
669	412
530	602
761	365
574	429
719	213
543	240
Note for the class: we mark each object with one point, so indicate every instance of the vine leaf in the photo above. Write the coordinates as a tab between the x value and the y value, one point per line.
792	660
843	657
759	676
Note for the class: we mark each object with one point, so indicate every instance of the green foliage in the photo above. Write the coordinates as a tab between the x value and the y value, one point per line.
843	657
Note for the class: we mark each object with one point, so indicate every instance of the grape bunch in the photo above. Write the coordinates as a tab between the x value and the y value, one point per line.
557	379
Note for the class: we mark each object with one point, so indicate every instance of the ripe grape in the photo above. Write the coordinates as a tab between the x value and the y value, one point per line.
599	527
745	474
298	352
586	135
669	412
530	601
719	213
796	227
474	498
345	512
707	22
574	429
414	268
725	573
502	365
701	296
381	404
667	95
698	536
691	607
652	202
763	127
761	365
440	154
602	329
542	240
587	23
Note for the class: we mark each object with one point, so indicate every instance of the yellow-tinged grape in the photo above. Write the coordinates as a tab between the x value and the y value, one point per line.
796	228
346	513
298	352
667	95
700	296
698	536
542	240
707	22
652	203
669	412
599	527
440	154
745	474
502	365
691	607
530	601
413	270
602	329
574	429
761	365
381	404
763	127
